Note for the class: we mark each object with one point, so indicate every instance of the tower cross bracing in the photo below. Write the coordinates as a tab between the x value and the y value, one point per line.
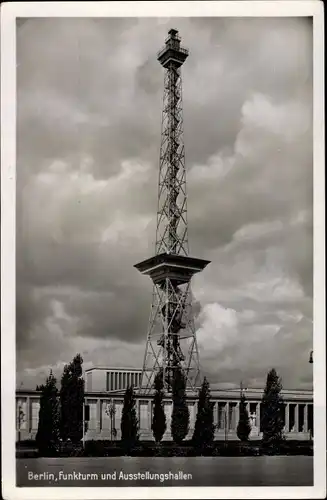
171	339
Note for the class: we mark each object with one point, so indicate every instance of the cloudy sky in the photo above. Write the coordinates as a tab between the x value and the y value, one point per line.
89	97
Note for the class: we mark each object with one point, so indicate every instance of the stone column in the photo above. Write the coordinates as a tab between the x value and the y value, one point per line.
149	415
247	407
196	412
311	424
237	414
190	407
258	416
296	418
227	416
28	415
98	426
305	418
215	413
137	408
287	417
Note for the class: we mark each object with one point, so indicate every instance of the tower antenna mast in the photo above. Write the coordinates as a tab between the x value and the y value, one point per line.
171	340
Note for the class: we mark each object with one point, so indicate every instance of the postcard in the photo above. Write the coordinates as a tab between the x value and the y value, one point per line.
163	312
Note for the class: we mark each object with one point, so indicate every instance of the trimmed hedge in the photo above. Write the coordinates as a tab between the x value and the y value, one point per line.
105	448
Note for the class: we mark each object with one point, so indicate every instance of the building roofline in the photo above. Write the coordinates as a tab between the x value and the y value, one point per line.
258	389
251	394
115	369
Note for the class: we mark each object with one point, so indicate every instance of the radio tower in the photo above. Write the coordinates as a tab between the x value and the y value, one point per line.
171	340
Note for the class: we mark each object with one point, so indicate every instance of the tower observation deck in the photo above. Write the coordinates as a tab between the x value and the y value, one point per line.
171	340
172	52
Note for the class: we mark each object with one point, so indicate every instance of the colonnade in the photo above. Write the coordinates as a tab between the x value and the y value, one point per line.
298	417
117	380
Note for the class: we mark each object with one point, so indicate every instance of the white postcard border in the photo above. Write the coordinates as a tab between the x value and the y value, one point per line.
9	12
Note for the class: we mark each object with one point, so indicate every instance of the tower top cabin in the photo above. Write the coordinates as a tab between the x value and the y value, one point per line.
172	53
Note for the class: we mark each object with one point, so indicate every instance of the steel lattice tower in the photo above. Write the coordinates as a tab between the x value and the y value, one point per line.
171	340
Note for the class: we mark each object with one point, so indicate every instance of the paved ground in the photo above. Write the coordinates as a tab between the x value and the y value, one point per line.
200	471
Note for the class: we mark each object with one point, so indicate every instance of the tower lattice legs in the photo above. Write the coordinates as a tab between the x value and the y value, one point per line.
171	340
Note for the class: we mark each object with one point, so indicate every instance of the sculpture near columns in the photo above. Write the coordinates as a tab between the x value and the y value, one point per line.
254	427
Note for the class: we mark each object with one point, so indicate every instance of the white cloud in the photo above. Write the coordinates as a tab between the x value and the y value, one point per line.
257	231
218	328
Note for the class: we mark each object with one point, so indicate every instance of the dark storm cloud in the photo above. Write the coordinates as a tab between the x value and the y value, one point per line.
89	98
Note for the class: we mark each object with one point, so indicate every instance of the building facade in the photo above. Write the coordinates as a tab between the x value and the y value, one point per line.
104	422
111	379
